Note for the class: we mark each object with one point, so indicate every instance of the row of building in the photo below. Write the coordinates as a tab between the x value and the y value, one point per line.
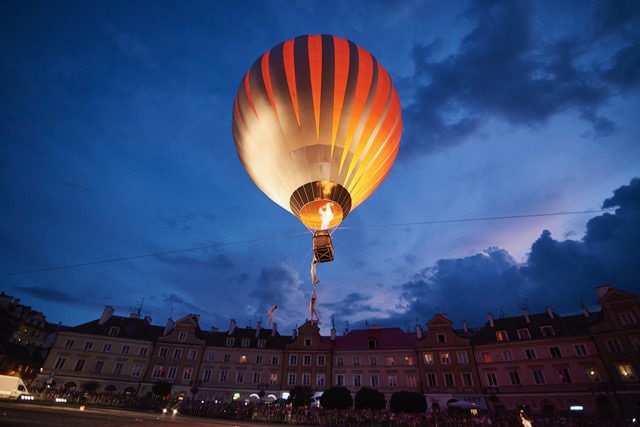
587	362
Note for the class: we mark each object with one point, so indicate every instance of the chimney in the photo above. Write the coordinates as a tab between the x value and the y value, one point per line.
490	317
232	327
106	314
419	331
258	327
274	329
333	334
550	313
525	312
585	311
464	326
169	327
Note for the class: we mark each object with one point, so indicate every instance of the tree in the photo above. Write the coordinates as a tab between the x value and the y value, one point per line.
408	401
336	398
368	398
300	396
161	388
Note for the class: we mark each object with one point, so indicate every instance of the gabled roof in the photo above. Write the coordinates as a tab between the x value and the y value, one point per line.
271	340
386	338
128	328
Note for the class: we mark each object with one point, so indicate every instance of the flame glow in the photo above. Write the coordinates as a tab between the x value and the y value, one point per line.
326	212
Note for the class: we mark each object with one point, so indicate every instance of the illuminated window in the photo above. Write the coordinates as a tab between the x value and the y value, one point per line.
444	358
428	358
243	359
391	361
626	372
408	360
502	336
486	357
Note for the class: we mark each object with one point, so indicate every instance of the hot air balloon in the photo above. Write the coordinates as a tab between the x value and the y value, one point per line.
317	125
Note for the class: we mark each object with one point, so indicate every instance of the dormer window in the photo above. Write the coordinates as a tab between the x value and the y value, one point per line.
442	338
114	331
230	341
372	343
307	342
523	334
547	331
182	336
502	336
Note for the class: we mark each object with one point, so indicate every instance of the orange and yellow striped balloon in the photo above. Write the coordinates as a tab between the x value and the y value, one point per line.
317	125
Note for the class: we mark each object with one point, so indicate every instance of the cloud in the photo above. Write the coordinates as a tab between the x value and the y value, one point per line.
45	293
503	69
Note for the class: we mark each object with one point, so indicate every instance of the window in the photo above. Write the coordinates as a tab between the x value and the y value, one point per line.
88	346
444	358
192	355
227	358
163	352
547	331
273	378
467	379
524	334
502	336
143	351
372	343
486	357
357	380
99	366
626	372
230	341
125	349
246	342
256	377
339	361
306	360
306	379
206	375
114	331
291	378
448	379
293	359
492	379
321	360
408	360
106	348
182	336
375	380
538	377
186	374
581	350
530	353
563	374
463	358
117	369
262	343
627	318
223	377
177	353
307	342
239	377
242	359
442	338
259	359
373	361
320	380
275	360
171	374
356	360
393	380
555	352
613	345
431	380
340	380
157	371
136	371
507	356
428	358
68	344
391	361
79	365
514	377
411	380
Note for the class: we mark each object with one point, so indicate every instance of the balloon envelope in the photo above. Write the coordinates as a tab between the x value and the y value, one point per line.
317	125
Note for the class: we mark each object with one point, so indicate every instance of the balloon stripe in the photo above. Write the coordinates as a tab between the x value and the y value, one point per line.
266	78
340	76
289	60
315	75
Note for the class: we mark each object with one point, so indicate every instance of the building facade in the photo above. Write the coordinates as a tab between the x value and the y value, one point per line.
544	362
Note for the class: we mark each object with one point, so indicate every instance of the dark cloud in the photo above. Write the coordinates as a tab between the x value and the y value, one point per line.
353	304
501	69
276	285
45	293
